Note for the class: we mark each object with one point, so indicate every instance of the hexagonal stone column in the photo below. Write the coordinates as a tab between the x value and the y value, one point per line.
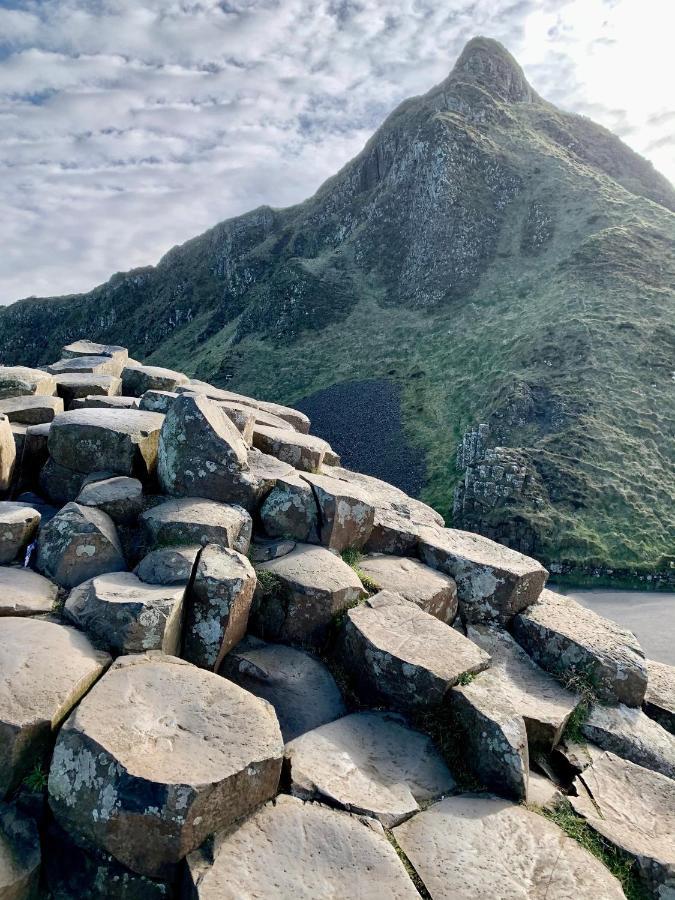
305	851
147	780
18	526
136	380
19	855
7	453
192	520
36	410
659	702
20	381
346	512
302	451
44	670
25	593
432	591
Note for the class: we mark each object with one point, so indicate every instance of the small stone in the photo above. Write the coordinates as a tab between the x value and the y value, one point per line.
192	520
301	850
147	781
25	593
80	542
299	687
136	380
299	595
126	615
7	453
120	497
370	763
632	735
346	513
18	527
290	511
19	855
74	385
20	381
35	410
568	640
302	451
493	582
169	565
659	702
432	591
218	605
402	656
44	670
473	847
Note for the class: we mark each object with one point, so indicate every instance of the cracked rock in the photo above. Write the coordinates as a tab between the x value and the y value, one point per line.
192	520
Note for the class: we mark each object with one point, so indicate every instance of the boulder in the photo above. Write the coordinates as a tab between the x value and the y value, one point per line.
632	735
542	702
136	380
192	520
659	702
432	591
570	641
31	410
201	453
299	595
290	511
250	488
542	792
346	513
120	497
301	850
18	527
402	656
633	809
80	542
59	483
35	451
44	670
126	615
90	348
169	565
299	687
370	763
19	855
219	602
25	593
478	847
157	401
293	417
7	453
85	365
20	381
493	582
491	735
119	441
147	781
103	402
302	451
74	385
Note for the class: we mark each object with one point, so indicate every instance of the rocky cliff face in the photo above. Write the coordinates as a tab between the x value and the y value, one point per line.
496	259
231	667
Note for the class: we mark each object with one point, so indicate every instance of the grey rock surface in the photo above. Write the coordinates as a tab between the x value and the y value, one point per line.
19	855
632	735
193	520
91	348
169	565
21	381
290	511
18	527
24	592
292	417
136	380
85	365
7	453
346	513
302	451
659	702
74	385
31	410
120	497
432	591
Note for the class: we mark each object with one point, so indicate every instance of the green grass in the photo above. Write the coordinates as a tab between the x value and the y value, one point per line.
37	778
583	685
622	866
353	558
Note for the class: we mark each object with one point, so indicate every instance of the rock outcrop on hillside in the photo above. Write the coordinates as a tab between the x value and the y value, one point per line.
241	670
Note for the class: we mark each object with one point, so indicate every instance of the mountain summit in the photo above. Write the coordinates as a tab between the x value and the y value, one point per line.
486	259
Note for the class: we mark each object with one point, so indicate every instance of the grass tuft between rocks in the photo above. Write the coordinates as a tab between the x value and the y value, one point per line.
583	685
36	779
353	557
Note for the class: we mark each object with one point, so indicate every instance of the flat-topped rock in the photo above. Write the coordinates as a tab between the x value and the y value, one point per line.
402	656
102	401
85	365
474	847
235	410
31	410
119	441
19	855
565	638
169	565
299	687
346	513
157	401
302	451
120	497
7	453
201	452
20	381
432	591
370	763
44	670
90	348
300	593
136	380
542	701
290	511
18	527
632	735
305	851
73	385
147	781
633	809
218	605
491	735
192	520
293	417
80	542
265	549
659	702
126	615
25	593
493	582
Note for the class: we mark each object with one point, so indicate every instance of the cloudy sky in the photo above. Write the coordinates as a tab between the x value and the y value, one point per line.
127	126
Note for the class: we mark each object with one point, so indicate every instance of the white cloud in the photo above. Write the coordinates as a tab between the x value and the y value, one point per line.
127	126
